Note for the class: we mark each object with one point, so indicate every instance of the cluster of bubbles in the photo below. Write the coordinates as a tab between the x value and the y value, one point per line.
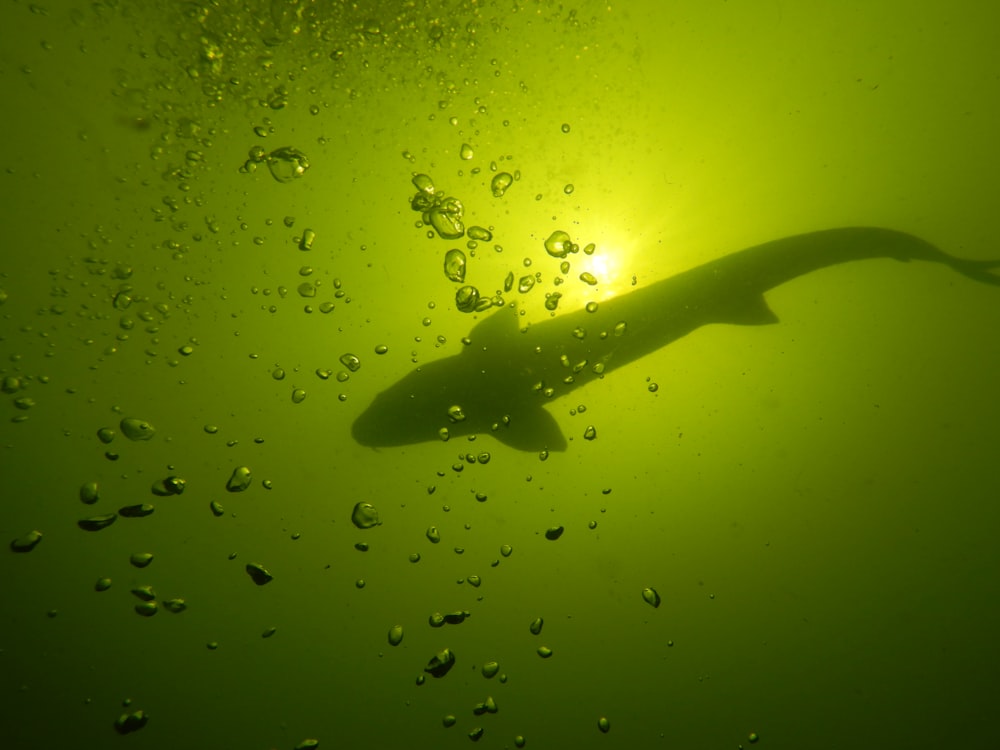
364	516
444	215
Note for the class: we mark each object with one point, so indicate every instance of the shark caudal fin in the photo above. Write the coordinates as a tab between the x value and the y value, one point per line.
977	270
905	247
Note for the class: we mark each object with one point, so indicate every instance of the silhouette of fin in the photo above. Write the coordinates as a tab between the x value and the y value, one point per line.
752	311
532	429
492	328
906	247
979	270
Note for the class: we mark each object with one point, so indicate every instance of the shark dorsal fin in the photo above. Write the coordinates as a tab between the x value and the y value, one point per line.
492	329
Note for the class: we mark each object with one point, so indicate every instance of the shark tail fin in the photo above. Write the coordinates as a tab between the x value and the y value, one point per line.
907	247
978	270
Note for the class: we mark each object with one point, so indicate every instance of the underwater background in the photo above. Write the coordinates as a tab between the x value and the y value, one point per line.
210	267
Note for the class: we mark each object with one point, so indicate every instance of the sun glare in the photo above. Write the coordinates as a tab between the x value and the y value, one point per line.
607	265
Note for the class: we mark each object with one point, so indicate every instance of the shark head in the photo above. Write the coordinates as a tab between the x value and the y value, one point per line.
416	408
479	391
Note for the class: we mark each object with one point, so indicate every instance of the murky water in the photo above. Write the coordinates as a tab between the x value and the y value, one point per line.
390	375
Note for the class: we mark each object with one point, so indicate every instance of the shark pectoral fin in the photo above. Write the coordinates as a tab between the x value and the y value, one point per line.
752	311
532	430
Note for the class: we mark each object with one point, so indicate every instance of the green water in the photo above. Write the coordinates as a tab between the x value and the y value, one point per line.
814	502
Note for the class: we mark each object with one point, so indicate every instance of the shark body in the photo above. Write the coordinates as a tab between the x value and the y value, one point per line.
501	381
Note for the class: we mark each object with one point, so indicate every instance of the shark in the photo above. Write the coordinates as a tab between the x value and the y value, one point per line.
506	373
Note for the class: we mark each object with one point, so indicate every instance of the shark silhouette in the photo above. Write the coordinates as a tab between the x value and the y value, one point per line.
505	376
